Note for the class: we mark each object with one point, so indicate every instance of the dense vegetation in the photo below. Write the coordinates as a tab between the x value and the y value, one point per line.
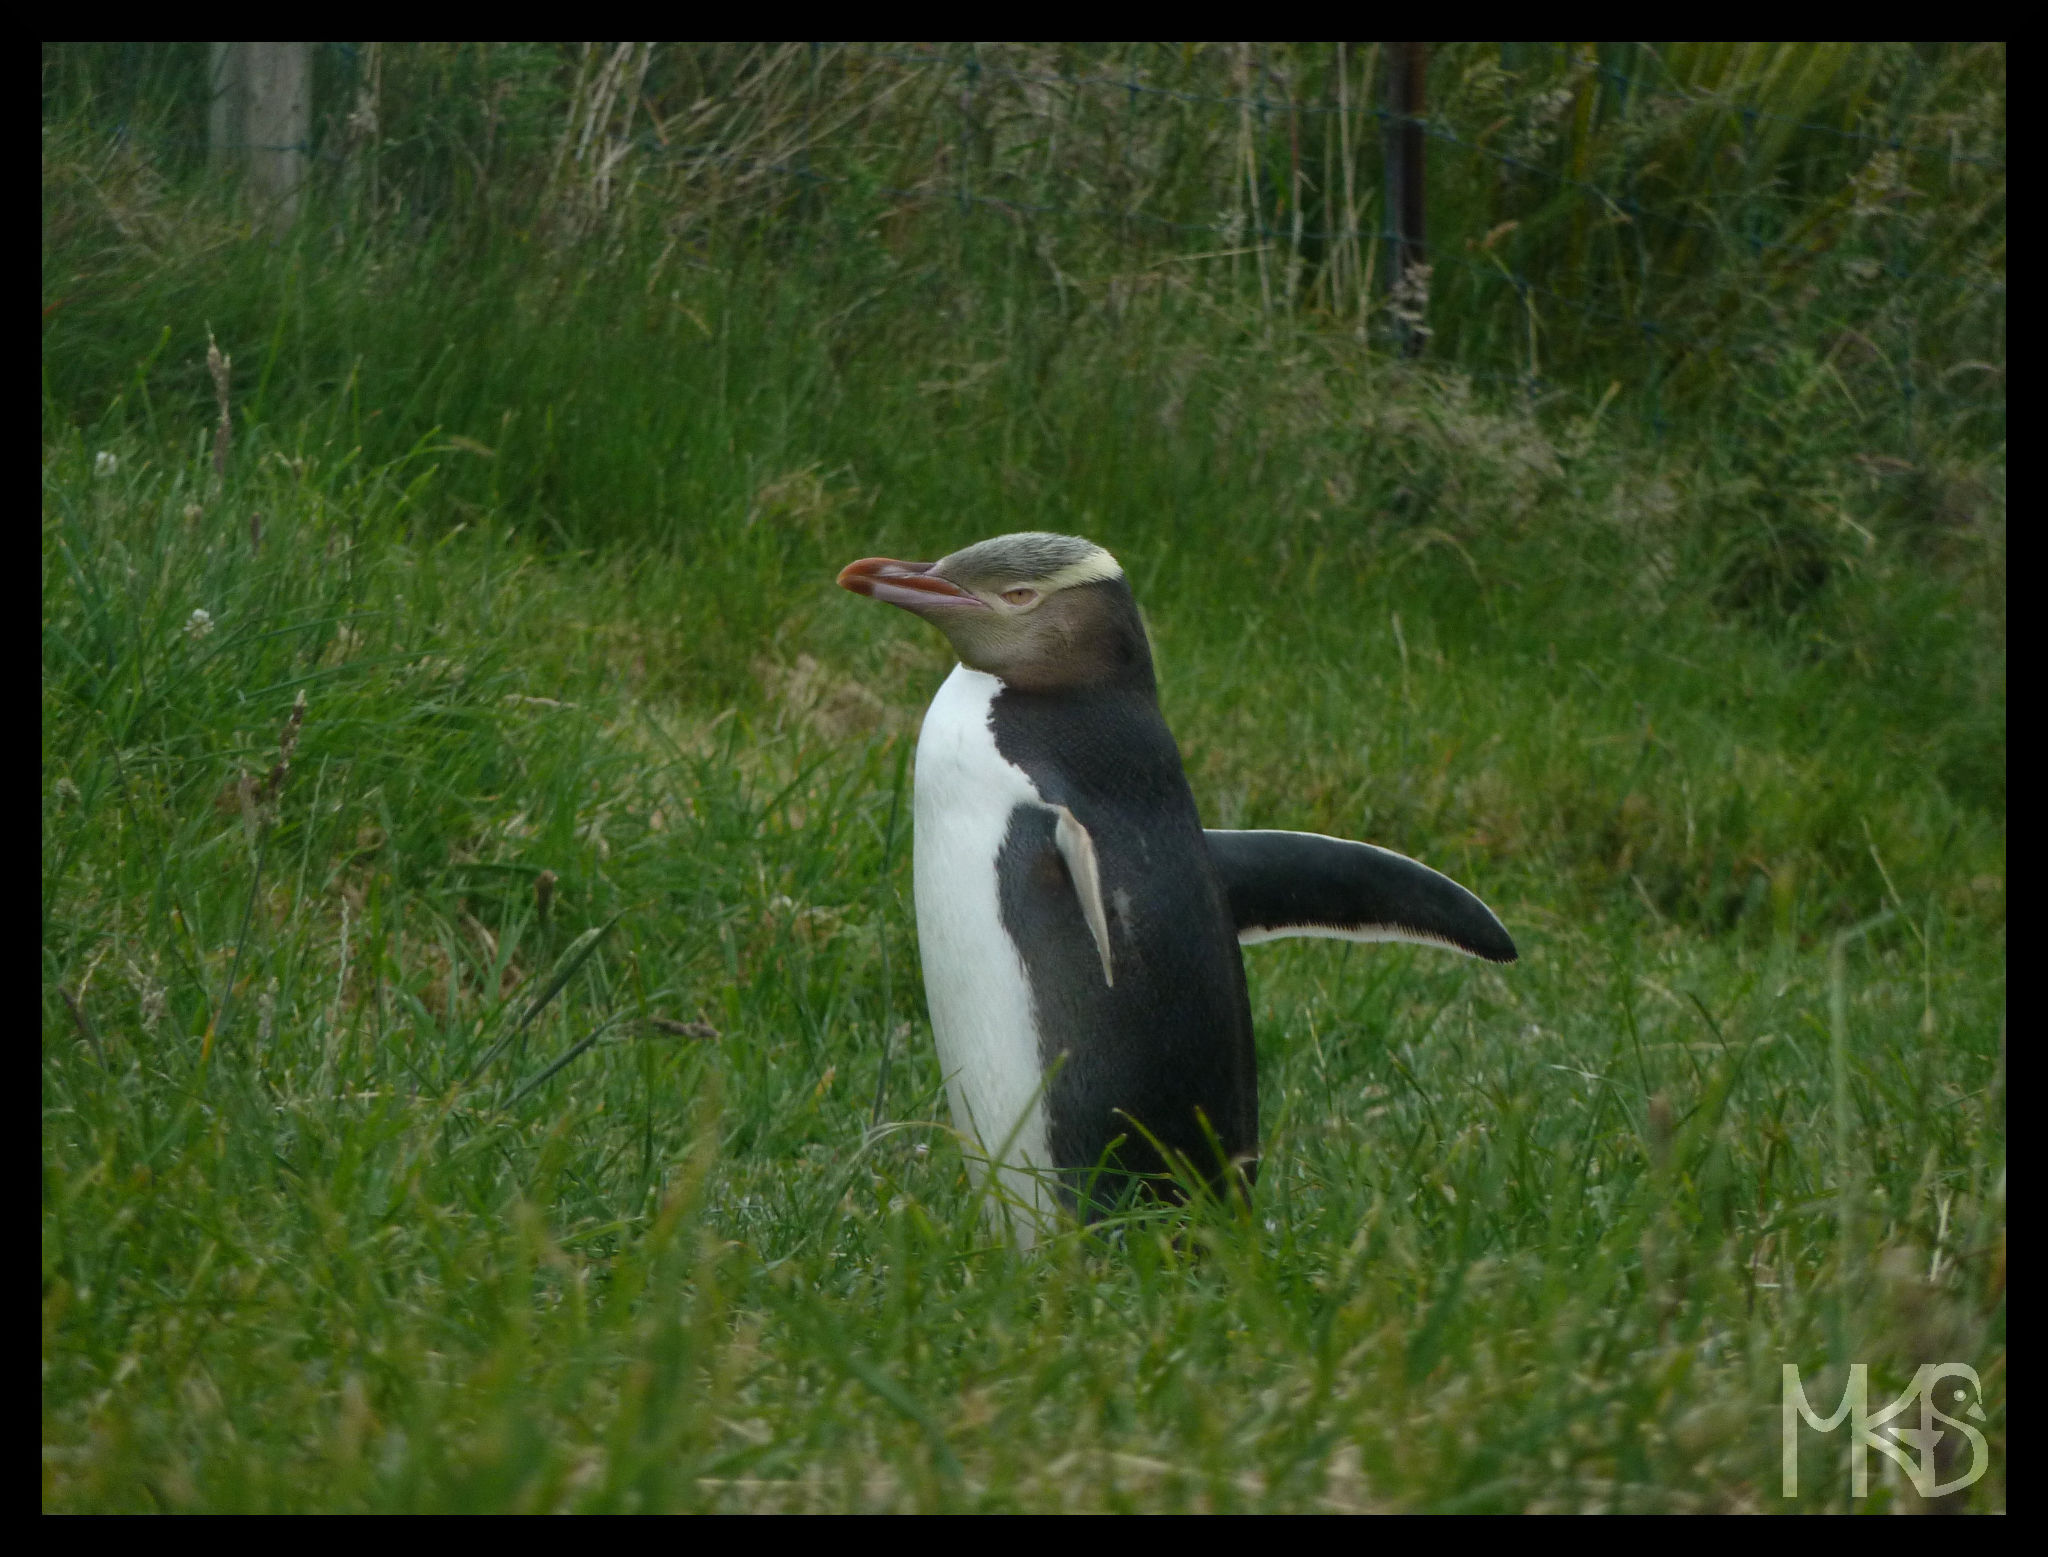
484	1062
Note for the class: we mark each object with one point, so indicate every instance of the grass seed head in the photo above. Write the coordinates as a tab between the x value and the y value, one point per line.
219	366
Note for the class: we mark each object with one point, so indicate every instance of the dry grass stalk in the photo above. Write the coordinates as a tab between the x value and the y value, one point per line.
287	743
594	148
699	1029
85	1026
218	365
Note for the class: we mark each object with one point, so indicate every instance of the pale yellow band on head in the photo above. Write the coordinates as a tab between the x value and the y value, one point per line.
1091	569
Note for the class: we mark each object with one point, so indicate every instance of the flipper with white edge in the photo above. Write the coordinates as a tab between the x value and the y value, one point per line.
1282	884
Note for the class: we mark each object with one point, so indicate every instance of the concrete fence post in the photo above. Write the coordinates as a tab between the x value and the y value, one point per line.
260	121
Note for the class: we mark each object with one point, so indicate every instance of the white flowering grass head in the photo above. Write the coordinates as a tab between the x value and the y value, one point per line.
105	463
199	624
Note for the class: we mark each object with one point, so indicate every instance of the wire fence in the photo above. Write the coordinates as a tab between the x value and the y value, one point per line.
1261	104
1630	208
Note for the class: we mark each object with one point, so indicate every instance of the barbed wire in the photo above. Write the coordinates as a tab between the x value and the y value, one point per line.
123	131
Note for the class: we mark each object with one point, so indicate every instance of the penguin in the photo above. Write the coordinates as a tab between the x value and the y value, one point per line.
1080	930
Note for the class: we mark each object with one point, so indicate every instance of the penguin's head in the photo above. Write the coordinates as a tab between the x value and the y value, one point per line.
1041	611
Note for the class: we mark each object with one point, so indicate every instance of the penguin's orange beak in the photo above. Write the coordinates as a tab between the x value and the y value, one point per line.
911	585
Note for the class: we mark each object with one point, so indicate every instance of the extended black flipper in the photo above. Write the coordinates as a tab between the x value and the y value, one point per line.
1306	884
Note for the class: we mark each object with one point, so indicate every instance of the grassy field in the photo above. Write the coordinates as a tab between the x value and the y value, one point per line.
484	1063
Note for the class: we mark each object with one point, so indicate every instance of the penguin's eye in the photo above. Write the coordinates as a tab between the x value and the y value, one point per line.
1020	596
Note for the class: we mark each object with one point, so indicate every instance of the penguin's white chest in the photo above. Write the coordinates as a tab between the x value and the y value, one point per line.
976	986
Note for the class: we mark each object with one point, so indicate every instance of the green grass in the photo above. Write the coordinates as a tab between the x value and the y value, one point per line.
480	1113
1539	1236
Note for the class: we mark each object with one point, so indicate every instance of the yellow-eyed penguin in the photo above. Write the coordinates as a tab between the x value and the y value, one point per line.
1079	929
